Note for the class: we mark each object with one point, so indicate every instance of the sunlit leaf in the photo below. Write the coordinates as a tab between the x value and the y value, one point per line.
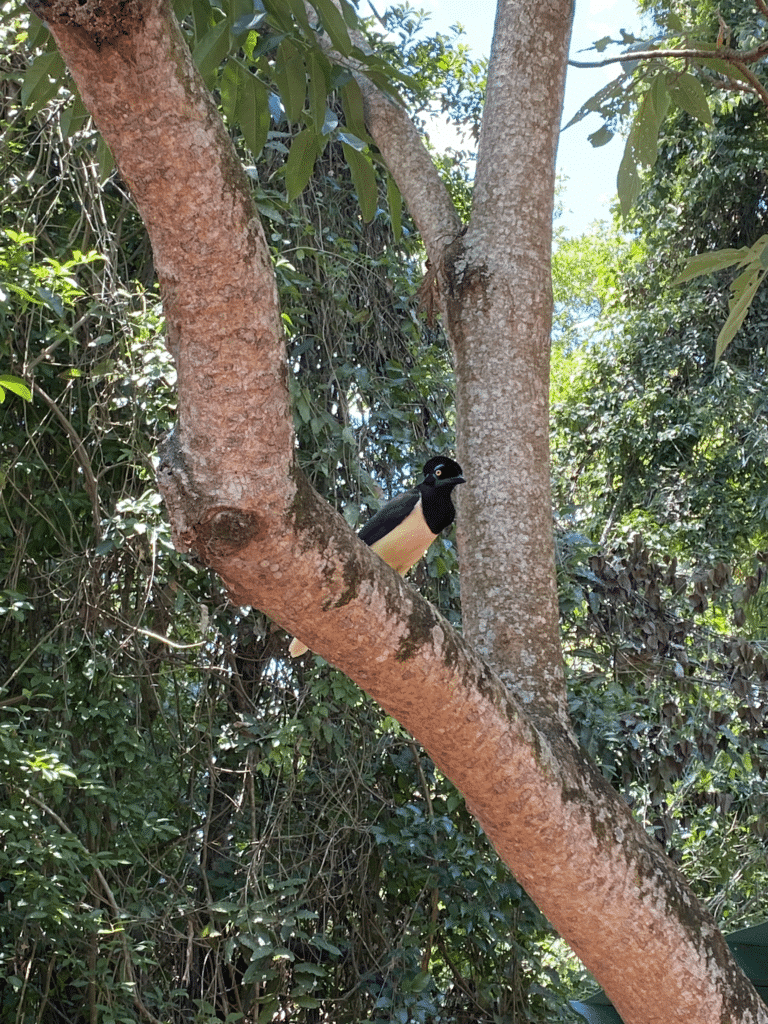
744	289
16	385
364	180
300	162
711	262
291	79
688	93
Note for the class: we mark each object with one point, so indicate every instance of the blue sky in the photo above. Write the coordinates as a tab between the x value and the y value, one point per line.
591	172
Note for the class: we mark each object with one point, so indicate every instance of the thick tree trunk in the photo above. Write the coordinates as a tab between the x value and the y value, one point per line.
235	499
499	307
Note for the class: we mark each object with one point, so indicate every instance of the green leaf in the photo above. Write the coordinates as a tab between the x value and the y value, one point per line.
74	117
644	136
42	81
600	100
300	162
395	203
104	159
252	113
660	99
230	88
364	180
744	288
279	15
334	25
627	180
354	113
710	262
38	33
211	51
322	943
299	12
601	136
238	12
350	14
319	74
16	385
688	93
291	80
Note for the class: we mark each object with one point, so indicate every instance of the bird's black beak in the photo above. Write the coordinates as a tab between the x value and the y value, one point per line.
450	480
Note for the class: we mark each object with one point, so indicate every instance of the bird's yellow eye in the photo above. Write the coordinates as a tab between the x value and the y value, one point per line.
438	472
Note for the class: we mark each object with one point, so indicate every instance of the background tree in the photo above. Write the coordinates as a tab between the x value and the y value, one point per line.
671	573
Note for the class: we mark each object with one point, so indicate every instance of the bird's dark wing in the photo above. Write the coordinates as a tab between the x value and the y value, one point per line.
389	516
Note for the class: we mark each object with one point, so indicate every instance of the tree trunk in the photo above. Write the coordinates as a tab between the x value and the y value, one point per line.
235	499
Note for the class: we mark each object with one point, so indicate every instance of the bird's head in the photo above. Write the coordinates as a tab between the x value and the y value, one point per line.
440	471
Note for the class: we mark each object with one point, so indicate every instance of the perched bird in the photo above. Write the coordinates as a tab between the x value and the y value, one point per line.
402	530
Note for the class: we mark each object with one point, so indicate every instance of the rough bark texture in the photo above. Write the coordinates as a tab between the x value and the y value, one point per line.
500	308
235	500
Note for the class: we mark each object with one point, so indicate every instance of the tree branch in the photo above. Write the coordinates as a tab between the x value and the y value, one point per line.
736	57
405	155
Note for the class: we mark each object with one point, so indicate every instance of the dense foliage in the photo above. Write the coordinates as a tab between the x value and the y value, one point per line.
193	828
661	482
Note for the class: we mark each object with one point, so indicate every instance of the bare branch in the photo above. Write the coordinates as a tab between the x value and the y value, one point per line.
89	480
754	81
405	155
736	57
413	169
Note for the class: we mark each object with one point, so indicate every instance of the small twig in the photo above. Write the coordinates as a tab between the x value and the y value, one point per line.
730	85
754	81
725	53
80	453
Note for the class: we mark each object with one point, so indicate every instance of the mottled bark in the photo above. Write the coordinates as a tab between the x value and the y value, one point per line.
236	500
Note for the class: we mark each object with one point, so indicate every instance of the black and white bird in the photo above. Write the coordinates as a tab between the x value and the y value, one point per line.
402	530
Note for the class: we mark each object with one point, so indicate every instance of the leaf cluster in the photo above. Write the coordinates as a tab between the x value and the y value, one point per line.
672	704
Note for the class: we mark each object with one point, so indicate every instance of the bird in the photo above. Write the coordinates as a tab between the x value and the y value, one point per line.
402	530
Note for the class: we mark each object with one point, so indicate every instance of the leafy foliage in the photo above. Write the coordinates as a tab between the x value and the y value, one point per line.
660	476
698	52
194	829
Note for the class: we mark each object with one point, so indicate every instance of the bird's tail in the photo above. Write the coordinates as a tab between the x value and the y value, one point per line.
297	648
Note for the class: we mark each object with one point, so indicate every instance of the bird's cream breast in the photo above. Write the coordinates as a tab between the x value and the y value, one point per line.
405	545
